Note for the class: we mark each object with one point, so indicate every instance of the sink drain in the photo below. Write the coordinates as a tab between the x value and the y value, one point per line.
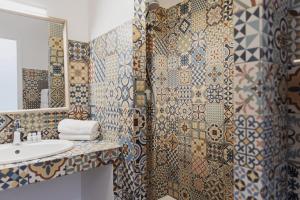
17	151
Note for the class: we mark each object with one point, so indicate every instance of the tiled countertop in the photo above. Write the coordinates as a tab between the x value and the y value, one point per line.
84	156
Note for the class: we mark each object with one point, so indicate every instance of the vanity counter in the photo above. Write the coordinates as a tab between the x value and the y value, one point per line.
84	156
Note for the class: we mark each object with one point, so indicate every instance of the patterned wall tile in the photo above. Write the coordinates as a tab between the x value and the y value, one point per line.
79	94
46	170
247	27
5	121
34	81
55	30
250	93
113	94
247	183
79	73
9	178
293	157
293	92
47	122
57	91
263	141
79	112
82	163
293	168
240	5
56	43
189	103
249	143
79	51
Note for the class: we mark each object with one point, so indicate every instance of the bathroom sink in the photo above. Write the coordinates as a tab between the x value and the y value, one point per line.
10	153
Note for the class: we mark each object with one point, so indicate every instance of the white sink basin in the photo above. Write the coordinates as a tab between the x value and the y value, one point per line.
29	151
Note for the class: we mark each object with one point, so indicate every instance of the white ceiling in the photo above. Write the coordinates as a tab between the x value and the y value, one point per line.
168	3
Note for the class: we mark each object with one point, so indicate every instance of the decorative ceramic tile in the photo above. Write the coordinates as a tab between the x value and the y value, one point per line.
228	10
247	183
79	112
184	43
84	156
191	106
79	51
250	92
249	143
240	5
34	81
78	72
56	30
5	120
247	27
111	42
56	43
57	61
214	93
214	113
9	178
198	21
198	5
46	170
51	120
23	176
79	94
48	134
57	91
112	67
82	163
214	15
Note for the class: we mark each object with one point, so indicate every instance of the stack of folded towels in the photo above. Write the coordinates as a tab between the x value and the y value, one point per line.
71	129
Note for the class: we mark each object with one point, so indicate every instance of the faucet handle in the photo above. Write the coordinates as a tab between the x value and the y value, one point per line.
17	125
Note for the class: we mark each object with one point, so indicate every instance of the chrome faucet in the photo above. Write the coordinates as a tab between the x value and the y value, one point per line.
17	133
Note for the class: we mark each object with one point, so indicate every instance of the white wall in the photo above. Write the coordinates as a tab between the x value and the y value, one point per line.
32	44
105	15
97	184
63	188
8	75
32	37
74	11
94	184
87	19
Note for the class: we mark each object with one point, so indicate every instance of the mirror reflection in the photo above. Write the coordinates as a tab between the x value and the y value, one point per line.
31	63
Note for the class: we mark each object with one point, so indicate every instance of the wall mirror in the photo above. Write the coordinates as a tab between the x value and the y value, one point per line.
33	63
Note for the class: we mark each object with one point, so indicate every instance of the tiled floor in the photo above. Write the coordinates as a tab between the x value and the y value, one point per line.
167	198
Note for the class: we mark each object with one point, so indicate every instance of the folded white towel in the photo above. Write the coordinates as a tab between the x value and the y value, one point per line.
44	98
78	127
78	137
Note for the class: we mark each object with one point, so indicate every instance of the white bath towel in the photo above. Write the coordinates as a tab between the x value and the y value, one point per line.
78	137
78	127
44	98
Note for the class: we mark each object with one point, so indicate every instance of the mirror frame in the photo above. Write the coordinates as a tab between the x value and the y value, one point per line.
66	65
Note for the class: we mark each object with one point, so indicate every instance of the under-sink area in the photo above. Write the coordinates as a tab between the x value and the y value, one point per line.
149	99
